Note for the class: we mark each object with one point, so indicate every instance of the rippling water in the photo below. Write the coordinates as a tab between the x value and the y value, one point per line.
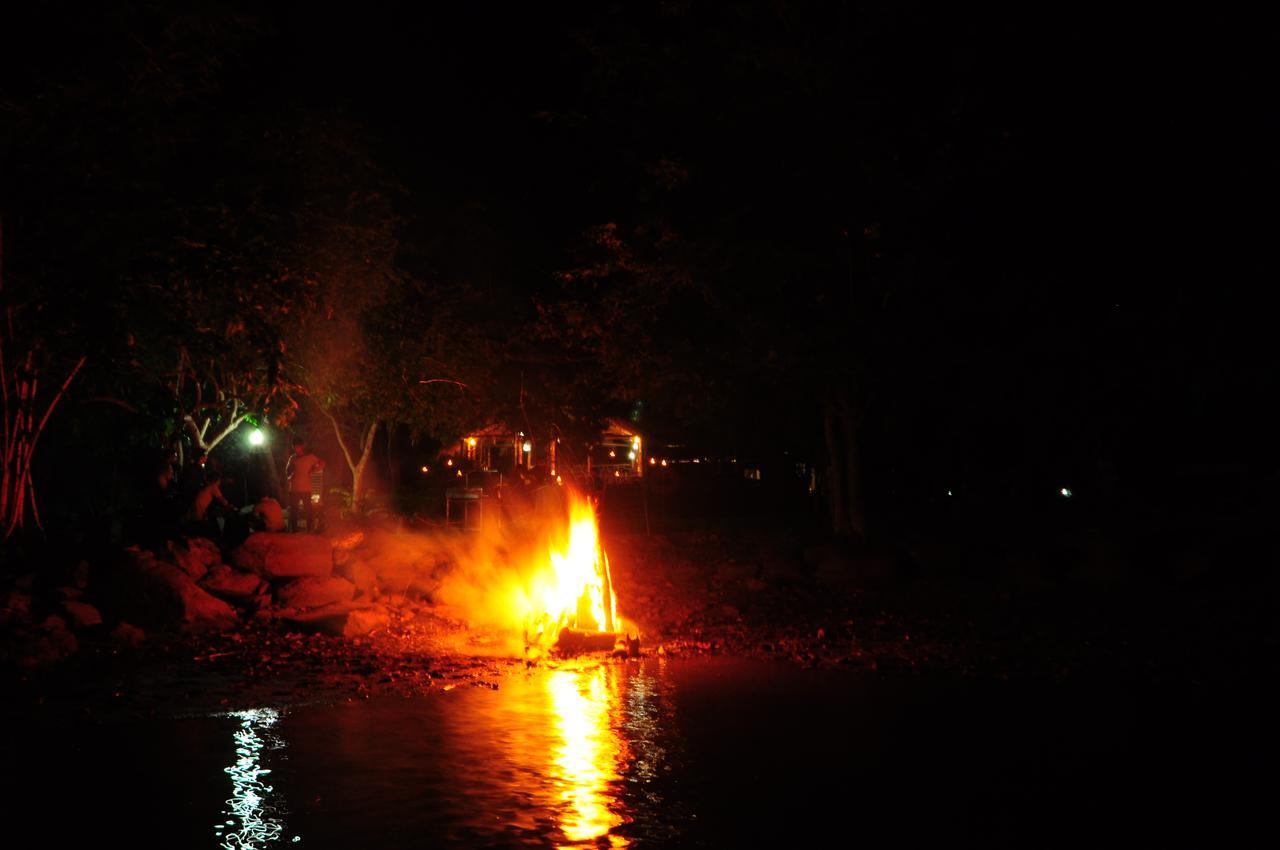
699	752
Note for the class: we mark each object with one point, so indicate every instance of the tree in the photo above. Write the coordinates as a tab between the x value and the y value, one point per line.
27	406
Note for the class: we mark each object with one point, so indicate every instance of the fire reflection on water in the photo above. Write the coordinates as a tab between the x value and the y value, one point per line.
249	819
603	743
589	753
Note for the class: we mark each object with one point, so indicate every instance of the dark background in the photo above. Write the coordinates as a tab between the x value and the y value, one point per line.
1037	239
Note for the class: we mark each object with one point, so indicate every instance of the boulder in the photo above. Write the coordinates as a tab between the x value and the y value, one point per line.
40	649
366	620
227	583
68	594
81	615
15	607
195	557
314	592
328	619
344	547
160	595
269	512
278	556
127	634
404	565
359	572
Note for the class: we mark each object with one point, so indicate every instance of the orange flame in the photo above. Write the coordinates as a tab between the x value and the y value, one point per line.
572	588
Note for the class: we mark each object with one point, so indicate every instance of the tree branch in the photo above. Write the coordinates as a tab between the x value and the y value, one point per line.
342	444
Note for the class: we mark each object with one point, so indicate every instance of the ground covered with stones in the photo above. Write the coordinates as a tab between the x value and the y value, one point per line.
766	595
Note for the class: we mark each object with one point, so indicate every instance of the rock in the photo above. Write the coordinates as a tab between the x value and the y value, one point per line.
268	510
349	543
160	595
195	557
313	592
81	615
43	649
404	564
278	556
126	634
261	601
366	620
230	584
68	594
15	607
329	619
358	572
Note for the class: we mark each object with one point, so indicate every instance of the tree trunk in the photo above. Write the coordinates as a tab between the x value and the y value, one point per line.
357	467
357	471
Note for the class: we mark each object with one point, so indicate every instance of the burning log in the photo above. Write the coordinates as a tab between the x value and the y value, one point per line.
573	641
576	641
567	604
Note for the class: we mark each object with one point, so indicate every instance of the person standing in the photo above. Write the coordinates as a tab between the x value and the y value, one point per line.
297	471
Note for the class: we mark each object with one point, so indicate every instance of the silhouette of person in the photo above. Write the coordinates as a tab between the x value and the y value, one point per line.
298	471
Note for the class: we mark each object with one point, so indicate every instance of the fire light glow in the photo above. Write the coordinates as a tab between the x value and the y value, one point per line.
588	754
574	589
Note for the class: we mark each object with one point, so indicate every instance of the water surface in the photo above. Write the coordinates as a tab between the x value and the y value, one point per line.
696	752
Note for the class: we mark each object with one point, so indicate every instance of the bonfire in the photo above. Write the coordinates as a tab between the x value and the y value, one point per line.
568	603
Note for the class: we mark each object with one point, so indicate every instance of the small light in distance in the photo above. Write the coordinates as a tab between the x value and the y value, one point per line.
528	447
459	473
664	462
256	437
612	453
631	455
449	462
1066	492
559	480
653	461
425	470
949	493
471	441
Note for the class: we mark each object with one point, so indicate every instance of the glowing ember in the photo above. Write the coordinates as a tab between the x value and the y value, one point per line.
573	588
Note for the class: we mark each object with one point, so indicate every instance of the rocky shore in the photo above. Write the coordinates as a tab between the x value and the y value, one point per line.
288	618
